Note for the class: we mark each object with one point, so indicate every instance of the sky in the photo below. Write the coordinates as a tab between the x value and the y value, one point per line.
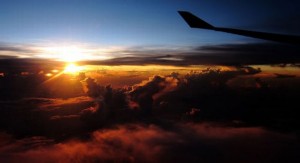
130	81
131	23
135	32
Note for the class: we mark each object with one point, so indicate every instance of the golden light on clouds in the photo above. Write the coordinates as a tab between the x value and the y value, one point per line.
55	71
48	74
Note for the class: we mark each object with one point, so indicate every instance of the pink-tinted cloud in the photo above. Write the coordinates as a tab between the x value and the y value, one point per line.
150	143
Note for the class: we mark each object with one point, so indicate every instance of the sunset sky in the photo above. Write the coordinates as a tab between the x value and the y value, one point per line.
130	81
100	30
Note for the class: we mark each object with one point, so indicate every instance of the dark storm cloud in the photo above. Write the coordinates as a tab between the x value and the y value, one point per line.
227	54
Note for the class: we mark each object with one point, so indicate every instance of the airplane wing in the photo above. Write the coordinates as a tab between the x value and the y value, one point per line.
195	22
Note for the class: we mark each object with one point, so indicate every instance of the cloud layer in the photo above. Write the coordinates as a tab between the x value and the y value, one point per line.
208	115
223	54
151	143
227	54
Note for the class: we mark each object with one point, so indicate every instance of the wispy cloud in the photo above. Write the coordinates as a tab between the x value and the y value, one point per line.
227	54
18	50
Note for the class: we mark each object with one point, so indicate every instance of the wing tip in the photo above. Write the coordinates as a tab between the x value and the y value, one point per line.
193	21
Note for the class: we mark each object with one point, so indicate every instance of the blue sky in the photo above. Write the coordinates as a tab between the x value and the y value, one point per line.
130	23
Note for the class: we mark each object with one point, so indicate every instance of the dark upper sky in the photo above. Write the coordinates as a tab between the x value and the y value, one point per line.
111	25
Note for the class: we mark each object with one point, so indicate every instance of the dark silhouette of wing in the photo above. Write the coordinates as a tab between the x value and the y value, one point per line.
195	22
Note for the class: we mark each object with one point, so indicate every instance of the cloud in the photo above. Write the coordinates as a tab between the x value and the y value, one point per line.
151	143
55	118
284	75
101	126
158	86
92	88
7	57
18	48
57	103
228	96
206	95
145	93
256	53
224	54
58	117
154	121
13	65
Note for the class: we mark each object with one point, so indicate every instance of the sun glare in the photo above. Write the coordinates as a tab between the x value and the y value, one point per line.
72	68
73	53
66	53
70	54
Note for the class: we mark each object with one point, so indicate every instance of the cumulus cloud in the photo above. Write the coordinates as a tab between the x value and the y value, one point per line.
154	121
196	81
206	95
200	96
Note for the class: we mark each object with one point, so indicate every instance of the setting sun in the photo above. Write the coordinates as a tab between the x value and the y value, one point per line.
72	68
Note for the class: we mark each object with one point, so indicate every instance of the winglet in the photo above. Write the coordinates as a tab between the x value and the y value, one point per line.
193	21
